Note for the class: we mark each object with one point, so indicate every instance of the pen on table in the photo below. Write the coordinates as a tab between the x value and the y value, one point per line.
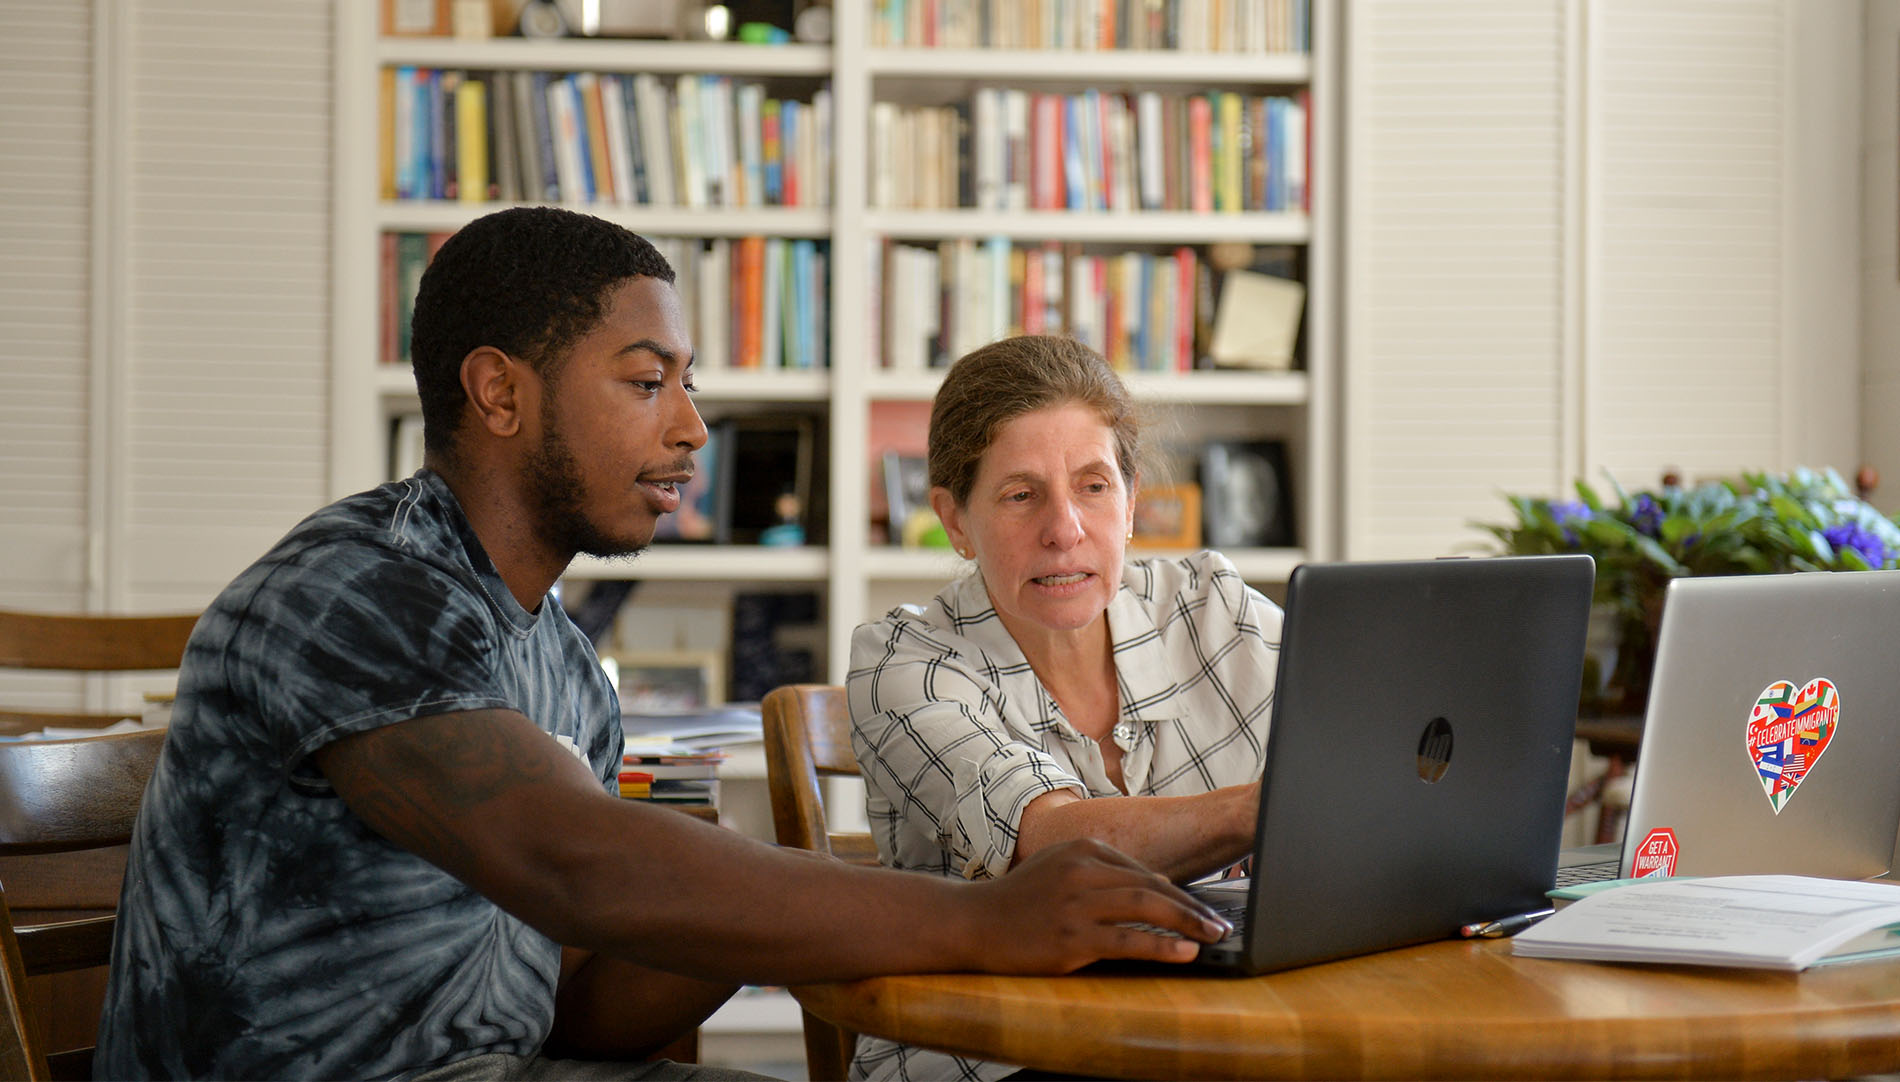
1503	926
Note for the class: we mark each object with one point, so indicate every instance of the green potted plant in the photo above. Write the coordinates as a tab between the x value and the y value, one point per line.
1761	524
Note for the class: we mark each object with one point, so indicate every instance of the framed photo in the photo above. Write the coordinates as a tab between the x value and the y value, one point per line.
906	488
1168	516
668	681
772	461
1246	501
702	516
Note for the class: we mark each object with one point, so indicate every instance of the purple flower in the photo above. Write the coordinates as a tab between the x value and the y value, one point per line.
1857	537
1566	512
1646	515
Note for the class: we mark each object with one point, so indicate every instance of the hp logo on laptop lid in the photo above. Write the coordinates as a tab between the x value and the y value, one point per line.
1434	750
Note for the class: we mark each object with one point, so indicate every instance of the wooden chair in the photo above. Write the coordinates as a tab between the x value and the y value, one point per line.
21	1051
80	644
58	799
65	814
808	734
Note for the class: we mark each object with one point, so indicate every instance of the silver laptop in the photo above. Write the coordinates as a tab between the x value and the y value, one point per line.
1772	739
1418	757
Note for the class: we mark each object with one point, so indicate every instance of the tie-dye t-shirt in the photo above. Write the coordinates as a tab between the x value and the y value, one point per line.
264	931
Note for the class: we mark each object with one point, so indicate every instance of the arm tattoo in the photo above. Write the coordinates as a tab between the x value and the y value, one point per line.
413	780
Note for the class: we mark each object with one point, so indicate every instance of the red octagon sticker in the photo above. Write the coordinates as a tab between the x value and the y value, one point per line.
1656	856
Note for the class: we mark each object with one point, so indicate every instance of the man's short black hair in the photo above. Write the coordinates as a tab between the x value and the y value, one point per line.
530	281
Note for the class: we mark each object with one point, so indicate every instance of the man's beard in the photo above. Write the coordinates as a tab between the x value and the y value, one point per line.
561	521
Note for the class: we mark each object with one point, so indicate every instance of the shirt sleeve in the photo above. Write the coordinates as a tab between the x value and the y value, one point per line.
931	737
366	638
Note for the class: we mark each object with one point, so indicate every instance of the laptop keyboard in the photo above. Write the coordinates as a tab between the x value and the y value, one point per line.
1587	873
1229	904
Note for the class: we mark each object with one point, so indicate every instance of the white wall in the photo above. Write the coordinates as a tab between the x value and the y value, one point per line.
164	301
1588	236
1880	249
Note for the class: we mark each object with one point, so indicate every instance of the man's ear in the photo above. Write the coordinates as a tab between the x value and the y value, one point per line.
492	382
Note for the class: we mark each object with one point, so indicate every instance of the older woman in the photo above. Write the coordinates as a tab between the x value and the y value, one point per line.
990	722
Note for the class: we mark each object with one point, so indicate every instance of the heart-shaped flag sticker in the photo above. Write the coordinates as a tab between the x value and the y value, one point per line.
1788	730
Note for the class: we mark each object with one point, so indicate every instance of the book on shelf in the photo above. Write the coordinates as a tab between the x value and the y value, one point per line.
1138	308
772	303
721	292
1784	922
471	142
1258	26
696	140
504	153
1092	150
403	258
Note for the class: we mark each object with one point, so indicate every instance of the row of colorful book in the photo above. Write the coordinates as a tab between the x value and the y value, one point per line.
750	302
1010	149
1244	26
1143	311
585	137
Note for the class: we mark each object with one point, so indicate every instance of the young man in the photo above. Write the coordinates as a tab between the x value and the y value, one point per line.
383	838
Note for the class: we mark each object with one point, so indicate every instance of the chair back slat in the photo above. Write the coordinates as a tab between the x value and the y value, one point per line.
808	734
798	810
31	640
58	795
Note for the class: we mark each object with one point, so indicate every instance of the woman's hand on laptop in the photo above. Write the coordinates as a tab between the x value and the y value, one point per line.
1082	901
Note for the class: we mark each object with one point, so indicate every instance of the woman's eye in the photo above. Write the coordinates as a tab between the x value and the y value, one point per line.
650	386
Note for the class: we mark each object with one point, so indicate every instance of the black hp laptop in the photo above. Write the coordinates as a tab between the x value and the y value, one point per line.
1417	763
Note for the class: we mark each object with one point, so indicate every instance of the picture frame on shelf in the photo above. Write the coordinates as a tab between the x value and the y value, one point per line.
703	517
771	458
1168	516
1246	494
668	681
416	18
899	428
906	489
405	445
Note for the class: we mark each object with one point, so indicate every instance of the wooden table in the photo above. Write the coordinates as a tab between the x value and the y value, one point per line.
1457	1009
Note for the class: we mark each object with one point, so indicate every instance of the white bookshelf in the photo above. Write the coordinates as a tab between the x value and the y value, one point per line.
850	571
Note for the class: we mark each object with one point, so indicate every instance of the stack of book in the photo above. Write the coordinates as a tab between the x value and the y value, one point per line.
667	773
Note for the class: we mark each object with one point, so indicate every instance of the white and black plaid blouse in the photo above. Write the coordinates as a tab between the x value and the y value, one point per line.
956	735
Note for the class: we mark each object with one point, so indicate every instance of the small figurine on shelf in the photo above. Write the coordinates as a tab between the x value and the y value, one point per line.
786	531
